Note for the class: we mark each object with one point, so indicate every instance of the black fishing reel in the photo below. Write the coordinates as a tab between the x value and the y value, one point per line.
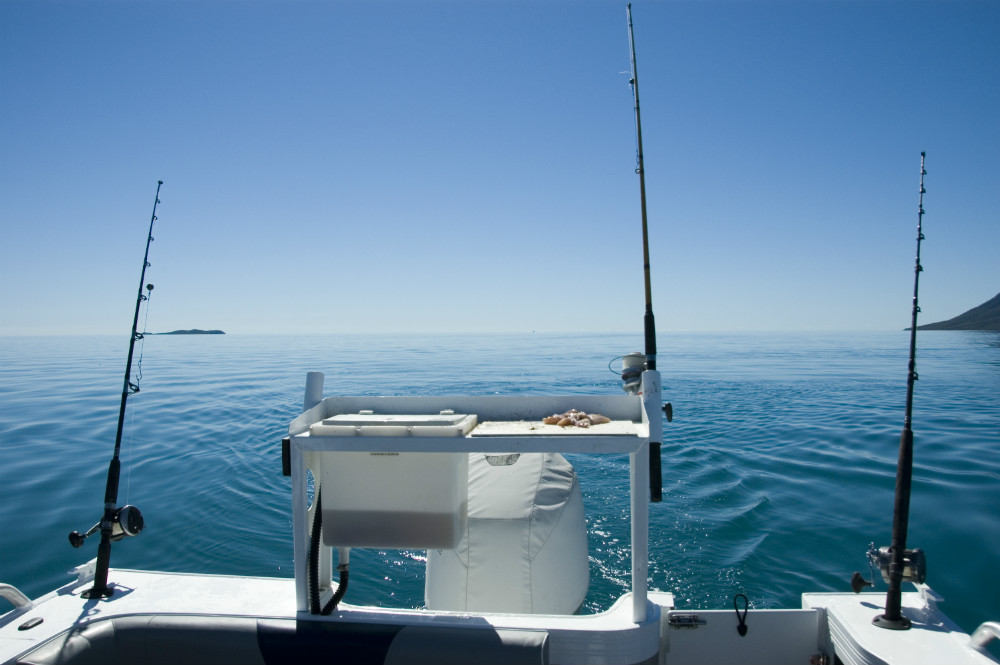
127	522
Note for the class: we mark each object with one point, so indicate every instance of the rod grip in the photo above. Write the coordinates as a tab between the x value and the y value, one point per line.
655	473
649	326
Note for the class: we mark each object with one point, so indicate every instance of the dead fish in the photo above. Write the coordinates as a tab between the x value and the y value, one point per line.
576	418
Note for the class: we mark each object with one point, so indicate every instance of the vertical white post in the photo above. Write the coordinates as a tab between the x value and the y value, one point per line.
300	529
639	480
300	509
314	390
639	486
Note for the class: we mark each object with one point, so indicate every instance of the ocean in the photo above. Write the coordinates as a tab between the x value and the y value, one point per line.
778	469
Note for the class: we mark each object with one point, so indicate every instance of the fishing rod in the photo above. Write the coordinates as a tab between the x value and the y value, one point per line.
903	564
649	325
118	523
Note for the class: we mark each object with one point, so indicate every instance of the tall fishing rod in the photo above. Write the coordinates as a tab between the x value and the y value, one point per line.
649	325
127	521
905	564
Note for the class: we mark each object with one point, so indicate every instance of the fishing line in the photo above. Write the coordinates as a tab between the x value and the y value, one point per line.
138	380
128	456
142	340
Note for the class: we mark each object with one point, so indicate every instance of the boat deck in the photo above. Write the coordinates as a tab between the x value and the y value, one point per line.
156	617
262	611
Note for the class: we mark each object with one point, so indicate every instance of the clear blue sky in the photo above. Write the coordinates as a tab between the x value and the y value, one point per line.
469	166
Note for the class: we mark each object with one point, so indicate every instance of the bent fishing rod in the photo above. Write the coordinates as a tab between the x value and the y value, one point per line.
649	325
905	565
126	521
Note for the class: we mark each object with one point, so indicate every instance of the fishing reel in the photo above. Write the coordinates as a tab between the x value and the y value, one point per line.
632	366
914	563
127	522
914	566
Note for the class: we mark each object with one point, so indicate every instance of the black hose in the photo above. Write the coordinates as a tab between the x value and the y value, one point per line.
314	541
338	595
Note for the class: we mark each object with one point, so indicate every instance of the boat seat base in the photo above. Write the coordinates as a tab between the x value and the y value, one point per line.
209	640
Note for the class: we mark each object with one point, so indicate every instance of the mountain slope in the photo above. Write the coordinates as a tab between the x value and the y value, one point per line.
983	317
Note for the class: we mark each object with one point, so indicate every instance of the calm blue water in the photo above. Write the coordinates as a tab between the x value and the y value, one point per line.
778	469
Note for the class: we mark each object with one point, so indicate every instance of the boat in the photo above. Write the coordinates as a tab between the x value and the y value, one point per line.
360	471
481	483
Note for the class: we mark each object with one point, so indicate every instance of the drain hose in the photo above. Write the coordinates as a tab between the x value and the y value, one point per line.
313	565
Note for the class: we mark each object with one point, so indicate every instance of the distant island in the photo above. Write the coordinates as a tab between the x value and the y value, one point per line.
193	331
983	317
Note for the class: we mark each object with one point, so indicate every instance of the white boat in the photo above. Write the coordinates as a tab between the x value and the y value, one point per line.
396	472
481	484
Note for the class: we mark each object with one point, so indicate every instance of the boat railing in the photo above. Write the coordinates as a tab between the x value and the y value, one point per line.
987	632
11	593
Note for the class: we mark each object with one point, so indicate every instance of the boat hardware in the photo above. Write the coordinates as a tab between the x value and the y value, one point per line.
127	521
893	618
286	457
649	326
742	618
30	623
686	621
